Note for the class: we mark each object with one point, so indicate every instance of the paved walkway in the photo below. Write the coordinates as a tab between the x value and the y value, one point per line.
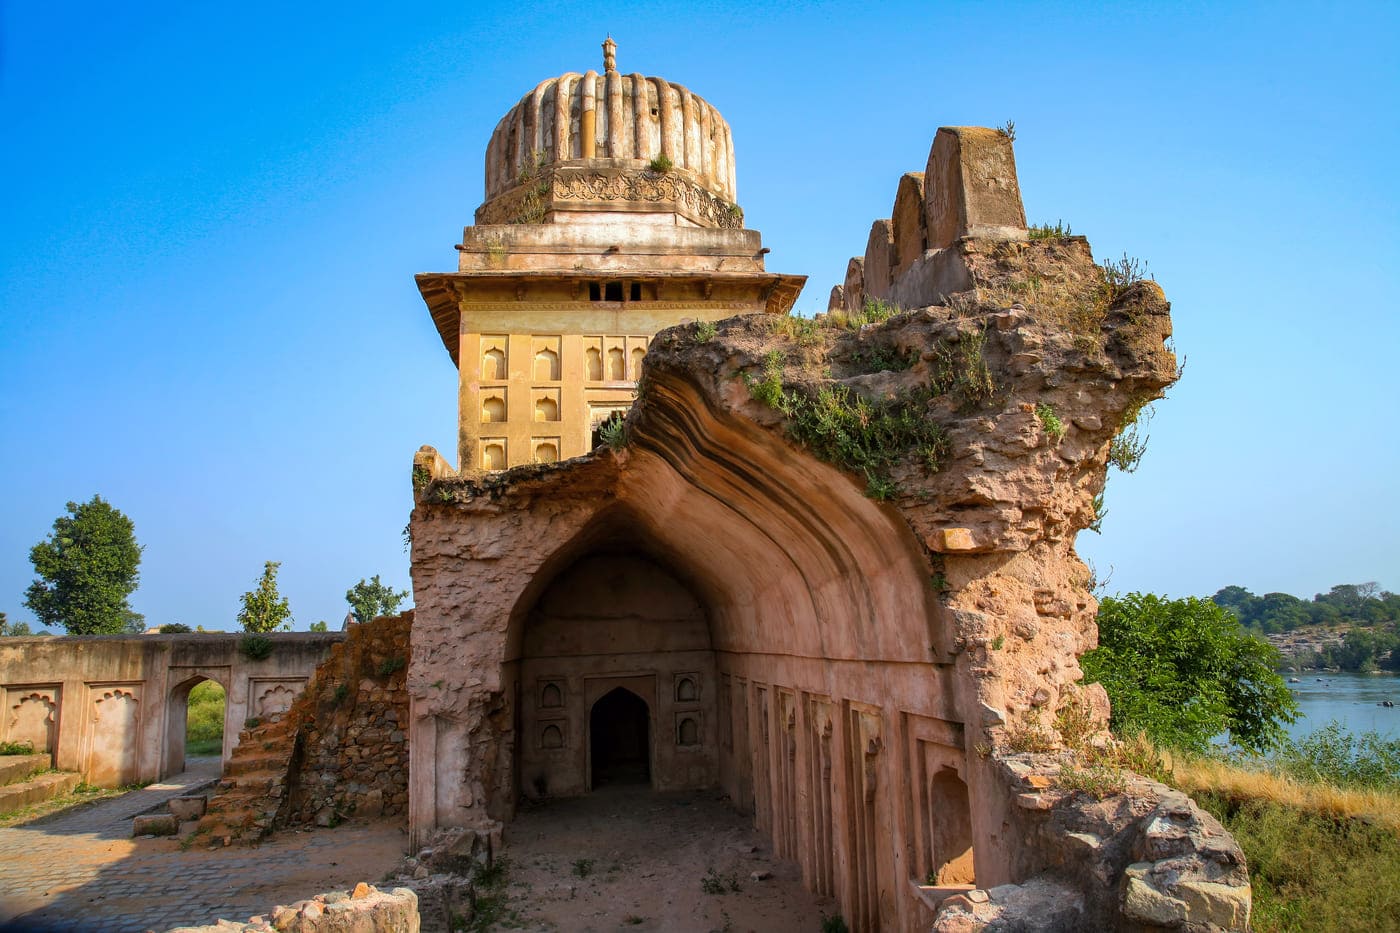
83	871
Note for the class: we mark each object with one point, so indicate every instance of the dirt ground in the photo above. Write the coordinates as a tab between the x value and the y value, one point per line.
627	858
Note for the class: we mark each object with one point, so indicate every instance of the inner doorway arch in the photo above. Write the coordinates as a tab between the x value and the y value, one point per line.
619	739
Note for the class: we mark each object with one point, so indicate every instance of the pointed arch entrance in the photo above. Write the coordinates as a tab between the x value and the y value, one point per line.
619	739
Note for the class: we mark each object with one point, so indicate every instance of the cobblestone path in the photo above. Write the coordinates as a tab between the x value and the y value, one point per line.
82	871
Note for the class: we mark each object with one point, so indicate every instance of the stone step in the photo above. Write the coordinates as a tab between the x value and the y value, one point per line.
243	767
36	790
15	768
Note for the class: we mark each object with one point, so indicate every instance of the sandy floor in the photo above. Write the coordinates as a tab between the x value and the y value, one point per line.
626	858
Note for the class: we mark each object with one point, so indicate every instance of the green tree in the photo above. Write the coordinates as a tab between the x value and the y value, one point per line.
370	600
12	628
1183	671
321	626
264	609
87	568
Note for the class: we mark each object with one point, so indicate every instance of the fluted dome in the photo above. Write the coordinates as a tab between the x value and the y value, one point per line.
629	120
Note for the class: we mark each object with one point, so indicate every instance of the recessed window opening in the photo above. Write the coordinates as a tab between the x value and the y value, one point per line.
595	291
636	291
612	291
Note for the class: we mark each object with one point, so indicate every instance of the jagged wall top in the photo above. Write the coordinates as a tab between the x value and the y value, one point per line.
611	116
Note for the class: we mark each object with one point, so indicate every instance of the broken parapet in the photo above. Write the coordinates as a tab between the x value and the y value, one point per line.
365	909
968	189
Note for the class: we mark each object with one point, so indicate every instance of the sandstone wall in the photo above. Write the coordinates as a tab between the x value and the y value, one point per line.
113	706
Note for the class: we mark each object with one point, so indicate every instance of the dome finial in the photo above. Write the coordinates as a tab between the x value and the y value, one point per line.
609	54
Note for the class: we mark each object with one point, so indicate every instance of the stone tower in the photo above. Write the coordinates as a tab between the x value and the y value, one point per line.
610	214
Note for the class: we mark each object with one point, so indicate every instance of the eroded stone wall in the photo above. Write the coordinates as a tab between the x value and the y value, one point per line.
876	512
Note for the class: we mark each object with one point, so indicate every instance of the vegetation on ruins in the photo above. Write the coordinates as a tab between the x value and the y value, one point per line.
1056	231
87	569
370	599
613	432
265	609
1182	672
661	164
255	647
1050	422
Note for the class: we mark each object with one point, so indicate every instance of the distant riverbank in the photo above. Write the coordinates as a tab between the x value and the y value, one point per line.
1351	699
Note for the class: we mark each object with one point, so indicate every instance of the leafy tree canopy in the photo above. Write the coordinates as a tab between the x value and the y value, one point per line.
1183	671
370	600
87	568
265	609
12	628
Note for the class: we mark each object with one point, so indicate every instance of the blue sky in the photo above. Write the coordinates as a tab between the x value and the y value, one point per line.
213	214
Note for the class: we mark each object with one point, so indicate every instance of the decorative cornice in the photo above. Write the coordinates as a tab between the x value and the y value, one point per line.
574	188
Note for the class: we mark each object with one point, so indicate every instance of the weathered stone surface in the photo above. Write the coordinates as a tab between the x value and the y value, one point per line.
908	223
853	289
155	824
366	910
1039	906
879	260
188	808
971	187
350	724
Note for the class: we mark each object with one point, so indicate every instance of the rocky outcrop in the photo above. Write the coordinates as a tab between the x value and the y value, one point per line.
339	751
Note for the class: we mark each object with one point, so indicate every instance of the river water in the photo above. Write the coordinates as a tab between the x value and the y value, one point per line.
1351	699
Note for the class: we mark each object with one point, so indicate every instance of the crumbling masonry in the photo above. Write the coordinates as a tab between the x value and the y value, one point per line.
825	565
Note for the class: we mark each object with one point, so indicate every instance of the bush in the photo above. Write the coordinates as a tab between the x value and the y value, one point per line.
174	628
1183	672
255	647
16	748
1336	756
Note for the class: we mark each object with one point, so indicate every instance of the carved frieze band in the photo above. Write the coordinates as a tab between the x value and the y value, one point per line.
528	202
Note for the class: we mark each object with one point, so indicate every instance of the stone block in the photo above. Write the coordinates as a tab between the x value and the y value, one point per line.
1226	906
188	808
155	824
879	260
908	222
970	187
1144	903
952	540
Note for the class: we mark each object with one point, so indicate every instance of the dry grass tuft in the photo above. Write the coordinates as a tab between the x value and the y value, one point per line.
1232	782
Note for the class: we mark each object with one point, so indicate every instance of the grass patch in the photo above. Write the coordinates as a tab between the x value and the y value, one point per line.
661	164
16	748
705	331
204	719
1310	871
1056	231
81	796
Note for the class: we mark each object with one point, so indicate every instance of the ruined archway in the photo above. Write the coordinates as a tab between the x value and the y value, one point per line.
177	722
619	740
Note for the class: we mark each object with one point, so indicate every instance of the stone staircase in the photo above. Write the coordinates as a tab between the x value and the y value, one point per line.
253	790
21	786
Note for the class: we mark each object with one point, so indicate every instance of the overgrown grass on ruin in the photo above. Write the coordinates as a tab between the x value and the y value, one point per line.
204	722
